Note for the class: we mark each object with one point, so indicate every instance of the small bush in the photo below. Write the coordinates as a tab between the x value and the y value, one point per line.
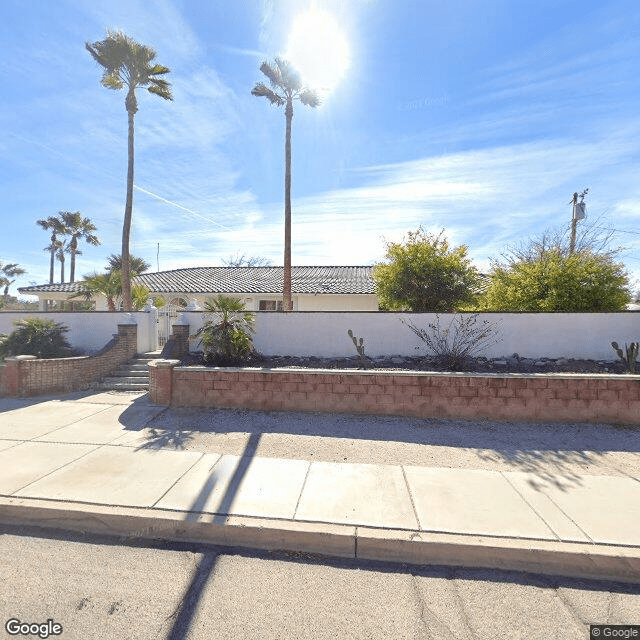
226	337
463	338
36	337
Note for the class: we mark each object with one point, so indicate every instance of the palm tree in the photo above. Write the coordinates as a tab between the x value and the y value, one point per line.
110	285
227	336
57	228
136	265
78	228
286	87
61	248
8	271
127	63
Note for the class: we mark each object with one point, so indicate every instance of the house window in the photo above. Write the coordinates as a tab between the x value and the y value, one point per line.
270	305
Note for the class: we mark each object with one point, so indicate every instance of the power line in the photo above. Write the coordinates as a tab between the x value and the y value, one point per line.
179	206
635	233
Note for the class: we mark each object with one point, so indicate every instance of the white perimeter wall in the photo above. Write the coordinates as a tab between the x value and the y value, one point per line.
90	331
531	335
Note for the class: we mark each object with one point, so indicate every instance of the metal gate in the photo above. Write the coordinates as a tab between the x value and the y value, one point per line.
167	317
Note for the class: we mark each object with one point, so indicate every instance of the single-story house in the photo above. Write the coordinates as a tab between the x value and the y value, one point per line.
331	288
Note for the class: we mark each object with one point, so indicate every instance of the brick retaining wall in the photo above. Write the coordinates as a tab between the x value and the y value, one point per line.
550	397
29	376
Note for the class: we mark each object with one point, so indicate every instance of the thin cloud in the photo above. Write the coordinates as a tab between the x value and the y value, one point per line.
252	53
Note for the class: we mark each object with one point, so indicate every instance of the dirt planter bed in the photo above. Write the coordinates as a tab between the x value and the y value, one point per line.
531	397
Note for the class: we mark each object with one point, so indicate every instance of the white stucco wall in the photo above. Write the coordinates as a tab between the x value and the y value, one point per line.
580	335
90	331
554	335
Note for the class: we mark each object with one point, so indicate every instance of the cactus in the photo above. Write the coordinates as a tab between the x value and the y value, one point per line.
359	345
629	356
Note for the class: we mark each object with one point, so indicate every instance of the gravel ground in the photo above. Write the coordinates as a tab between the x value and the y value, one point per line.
505	364
558	452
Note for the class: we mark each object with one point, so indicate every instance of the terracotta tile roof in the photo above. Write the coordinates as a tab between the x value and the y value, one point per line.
332	279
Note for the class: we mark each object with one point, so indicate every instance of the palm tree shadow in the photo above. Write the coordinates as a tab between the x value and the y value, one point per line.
185	613
551	453
175	439
549	467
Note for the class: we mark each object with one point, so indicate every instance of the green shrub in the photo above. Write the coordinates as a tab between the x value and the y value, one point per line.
226	337
36	337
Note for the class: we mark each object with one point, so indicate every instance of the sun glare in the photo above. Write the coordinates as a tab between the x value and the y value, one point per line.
318	49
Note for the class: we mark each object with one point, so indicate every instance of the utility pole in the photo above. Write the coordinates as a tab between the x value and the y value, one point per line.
578	213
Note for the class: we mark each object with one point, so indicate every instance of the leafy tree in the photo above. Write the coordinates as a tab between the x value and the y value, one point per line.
8	271
227	337
127	63
56	225
246	261
593	236
555	281
425	274
78	228
286	86
37	337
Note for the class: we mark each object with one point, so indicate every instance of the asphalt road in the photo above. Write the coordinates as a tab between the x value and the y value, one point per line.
106	588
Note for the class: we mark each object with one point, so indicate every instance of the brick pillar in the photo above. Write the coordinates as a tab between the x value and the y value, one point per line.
180	335
128	334
161	381
13	375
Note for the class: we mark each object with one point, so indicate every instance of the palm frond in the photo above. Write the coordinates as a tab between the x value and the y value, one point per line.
262	91
309	98
54	223
160	87
112	80
158	69
127	62
273	73
290	78
11	269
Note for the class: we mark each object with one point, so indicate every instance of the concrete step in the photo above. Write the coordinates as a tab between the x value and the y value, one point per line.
124	384
125	380
131	373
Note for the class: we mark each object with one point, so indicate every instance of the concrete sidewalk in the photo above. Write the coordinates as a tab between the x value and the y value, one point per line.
76	463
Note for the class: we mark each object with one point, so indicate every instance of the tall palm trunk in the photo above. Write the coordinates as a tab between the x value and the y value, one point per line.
287	302
73	247
126	227
53	257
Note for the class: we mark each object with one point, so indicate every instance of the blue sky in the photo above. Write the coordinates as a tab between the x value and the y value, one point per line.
481	117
